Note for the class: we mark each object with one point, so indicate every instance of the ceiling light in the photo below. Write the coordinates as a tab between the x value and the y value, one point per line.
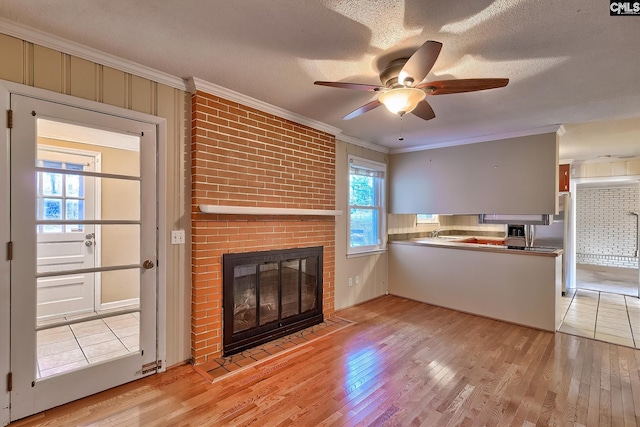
402	100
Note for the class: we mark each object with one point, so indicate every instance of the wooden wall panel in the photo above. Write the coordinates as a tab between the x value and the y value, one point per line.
141	95
171	105
83	79
114	87
47	68
11	65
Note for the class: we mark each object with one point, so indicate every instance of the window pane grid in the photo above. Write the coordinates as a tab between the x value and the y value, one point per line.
60	196
366	206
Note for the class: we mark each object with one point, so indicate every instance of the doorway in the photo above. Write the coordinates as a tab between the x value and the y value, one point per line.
602	299
83	232
606	235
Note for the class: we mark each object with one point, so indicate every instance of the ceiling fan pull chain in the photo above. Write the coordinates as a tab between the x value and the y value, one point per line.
401	137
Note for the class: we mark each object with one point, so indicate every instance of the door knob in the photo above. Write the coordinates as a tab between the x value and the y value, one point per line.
148	264
88	243
90	236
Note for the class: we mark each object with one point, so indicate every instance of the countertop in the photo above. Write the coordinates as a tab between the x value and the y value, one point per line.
457	242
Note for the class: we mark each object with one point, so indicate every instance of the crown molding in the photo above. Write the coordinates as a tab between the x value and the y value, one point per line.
194	84
41	38
475	139
361	143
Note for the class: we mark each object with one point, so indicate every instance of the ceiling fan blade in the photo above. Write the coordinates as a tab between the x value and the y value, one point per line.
424	111
366	107
356	86
445	87
420	63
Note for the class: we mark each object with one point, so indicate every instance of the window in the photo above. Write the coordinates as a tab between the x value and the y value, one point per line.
426	219
60	196
366	206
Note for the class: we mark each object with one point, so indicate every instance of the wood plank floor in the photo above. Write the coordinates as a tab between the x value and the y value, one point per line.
403	364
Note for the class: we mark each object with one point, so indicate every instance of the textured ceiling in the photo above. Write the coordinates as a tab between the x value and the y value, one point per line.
568	62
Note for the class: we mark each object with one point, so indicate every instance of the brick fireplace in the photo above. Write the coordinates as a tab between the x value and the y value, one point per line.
243	157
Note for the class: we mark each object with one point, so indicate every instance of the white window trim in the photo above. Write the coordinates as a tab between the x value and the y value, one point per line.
382	232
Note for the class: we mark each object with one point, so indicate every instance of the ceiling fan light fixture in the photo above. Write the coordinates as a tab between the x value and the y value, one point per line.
402	100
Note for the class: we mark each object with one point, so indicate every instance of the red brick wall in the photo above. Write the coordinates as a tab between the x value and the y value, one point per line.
245	157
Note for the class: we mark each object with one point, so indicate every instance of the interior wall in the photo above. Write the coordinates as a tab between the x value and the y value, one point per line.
37	66
509	176
606	231
622	167
407	224
368	272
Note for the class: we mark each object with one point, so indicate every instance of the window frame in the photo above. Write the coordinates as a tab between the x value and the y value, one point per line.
381	208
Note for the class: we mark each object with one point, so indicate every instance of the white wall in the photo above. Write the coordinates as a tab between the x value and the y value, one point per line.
370	269
606	232
509	176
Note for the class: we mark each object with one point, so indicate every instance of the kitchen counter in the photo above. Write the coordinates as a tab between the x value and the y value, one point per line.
514	285
458	242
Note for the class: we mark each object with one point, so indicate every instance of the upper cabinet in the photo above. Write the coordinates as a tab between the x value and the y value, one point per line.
508	176
564	175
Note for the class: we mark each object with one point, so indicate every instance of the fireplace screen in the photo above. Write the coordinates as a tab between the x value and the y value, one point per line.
270	294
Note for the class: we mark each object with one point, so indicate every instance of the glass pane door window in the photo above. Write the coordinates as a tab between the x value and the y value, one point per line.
60	196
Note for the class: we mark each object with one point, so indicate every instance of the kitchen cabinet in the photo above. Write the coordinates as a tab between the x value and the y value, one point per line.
564	175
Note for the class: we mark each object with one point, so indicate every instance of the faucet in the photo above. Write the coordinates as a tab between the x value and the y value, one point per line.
435	232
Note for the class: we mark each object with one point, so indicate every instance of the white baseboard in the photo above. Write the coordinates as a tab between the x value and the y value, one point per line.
119	304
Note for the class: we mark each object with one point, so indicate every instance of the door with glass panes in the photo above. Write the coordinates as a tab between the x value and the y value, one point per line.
83	276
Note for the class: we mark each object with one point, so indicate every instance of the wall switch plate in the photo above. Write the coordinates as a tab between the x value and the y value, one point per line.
177	237
350	281
357	280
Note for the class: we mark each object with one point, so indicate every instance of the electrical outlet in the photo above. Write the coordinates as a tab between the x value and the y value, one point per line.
350	281
177	237
357	280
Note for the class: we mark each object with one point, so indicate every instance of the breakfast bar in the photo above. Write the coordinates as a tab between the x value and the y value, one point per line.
521	286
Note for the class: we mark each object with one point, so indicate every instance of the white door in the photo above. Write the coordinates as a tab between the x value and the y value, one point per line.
66	247
57	360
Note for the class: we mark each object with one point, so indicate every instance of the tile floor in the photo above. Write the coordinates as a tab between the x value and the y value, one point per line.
603	316
615	280
66	348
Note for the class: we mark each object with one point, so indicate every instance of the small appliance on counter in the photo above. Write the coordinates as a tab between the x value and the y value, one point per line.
516	237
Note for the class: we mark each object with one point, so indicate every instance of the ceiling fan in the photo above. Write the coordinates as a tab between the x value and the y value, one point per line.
403	89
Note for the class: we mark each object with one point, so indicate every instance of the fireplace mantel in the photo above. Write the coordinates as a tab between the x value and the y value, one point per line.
254	210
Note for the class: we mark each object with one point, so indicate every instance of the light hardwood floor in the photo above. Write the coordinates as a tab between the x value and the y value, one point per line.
404	363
